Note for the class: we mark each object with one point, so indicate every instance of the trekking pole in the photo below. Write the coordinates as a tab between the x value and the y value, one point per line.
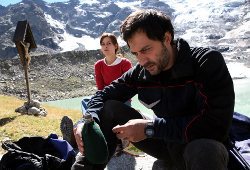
238	156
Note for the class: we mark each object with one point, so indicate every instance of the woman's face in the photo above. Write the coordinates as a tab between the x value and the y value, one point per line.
107	47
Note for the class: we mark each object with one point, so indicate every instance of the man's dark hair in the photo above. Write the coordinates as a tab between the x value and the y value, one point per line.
154	23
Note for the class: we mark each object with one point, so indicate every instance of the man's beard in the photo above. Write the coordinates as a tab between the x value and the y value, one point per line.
162	62
164	59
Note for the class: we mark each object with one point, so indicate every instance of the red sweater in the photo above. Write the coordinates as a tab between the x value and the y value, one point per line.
105	74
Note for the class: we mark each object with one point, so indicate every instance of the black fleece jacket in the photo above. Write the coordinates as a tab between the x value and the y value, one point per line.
194	99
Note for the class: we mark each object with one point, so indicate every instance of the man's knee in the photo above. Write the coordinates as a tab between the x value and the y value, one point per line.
206	146
206	152
110	107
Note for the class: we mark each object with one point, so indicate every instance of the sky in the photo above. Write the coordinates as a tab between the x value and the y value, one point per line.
8	2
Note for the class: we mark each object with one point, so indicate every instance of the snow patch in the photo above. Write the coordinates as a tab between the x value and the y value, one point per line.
71	43
90	2
238	70
53	22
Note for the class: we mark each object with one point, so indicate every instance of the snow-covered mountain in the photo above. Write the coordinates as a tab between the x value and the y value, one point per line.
77	24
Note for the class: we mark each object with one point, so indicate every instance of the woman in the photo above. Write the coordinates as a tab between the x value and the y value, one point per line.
112	66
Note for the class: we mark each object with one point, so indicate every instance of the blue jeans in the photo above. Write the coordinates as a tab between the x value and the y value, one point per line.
85	101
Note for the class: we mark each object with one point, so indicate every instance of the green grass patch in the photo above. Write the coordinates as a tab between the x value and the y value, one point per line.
14	125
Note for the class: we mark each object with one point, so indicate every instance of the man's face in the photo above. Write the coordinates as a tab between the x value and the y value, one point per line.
151	54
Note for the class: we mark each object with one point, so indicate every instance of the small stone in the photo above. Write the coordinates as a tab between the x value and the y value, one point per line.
33	111
22	110
35	103
43	113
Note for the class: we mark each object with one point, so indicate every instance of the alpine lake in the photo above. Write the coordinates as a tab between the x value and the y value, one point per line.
242	100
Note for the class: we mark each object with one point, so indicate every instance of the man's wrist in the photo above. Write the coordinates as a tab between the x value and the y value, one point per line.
149	130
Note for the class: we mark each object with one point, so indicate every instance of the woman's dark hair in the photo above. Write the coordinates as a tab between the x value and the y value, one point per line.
154	23
113	39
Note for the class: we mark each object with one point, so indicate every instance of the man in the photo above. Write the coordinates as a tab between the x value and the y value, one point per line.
189	89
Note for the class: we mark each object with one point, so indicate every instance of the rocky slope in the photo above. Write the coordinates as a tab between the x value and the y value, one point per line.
52	77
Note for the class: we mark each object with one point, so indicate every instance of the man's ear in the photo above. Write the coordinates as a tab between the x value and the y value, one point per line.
167	39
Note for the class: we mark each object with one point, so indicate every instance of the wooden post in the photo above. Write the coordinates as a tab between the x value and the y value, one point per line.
24	41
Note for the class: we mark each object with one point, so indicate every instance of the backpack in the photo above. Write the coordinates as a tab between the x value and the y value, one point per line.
37	153
239	143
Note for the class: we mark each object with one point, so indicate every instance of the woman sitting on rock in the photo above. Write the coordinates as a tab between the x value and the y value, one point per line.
110	68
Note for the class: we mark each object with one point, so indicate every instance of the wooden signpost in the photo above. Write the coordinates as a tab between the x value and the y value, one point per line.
24	41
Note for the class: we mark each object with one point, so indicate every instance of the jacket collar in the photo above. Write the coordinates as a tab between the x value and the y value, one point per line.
183	61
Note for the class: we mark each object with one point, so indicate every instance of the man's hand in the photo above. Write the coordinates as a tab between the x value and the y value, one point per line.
78	136
133	130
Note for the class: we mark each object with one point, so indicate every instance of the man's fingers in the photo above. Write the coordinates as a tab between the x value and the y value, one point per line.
118	129
80	144
121	136
78	137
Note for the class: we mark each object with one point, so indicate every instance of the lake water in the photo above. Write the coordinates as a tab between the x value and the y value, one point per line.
242	100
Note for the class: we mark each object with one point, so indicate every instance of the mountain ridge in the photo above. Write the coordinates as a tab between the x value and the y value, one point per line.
50	23
74	25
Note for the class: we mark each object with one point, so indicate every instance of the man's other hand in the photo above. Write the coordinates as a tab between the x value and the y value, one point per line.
133	130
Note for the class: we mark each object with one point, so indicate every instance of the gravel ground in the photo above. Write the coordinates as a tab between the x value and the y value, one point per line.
128	162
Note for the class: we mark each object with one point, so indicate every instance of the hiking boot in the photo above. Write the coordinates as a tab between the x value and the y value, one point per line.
66	127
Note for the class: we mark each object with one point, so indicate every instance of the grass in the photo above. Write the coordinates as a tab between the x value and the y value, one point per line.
14	125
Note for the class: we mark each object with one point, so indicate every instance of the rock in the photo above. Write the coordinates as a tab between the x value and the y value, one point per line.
35	103
32	108
128	162
33	111
22	110
43	113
